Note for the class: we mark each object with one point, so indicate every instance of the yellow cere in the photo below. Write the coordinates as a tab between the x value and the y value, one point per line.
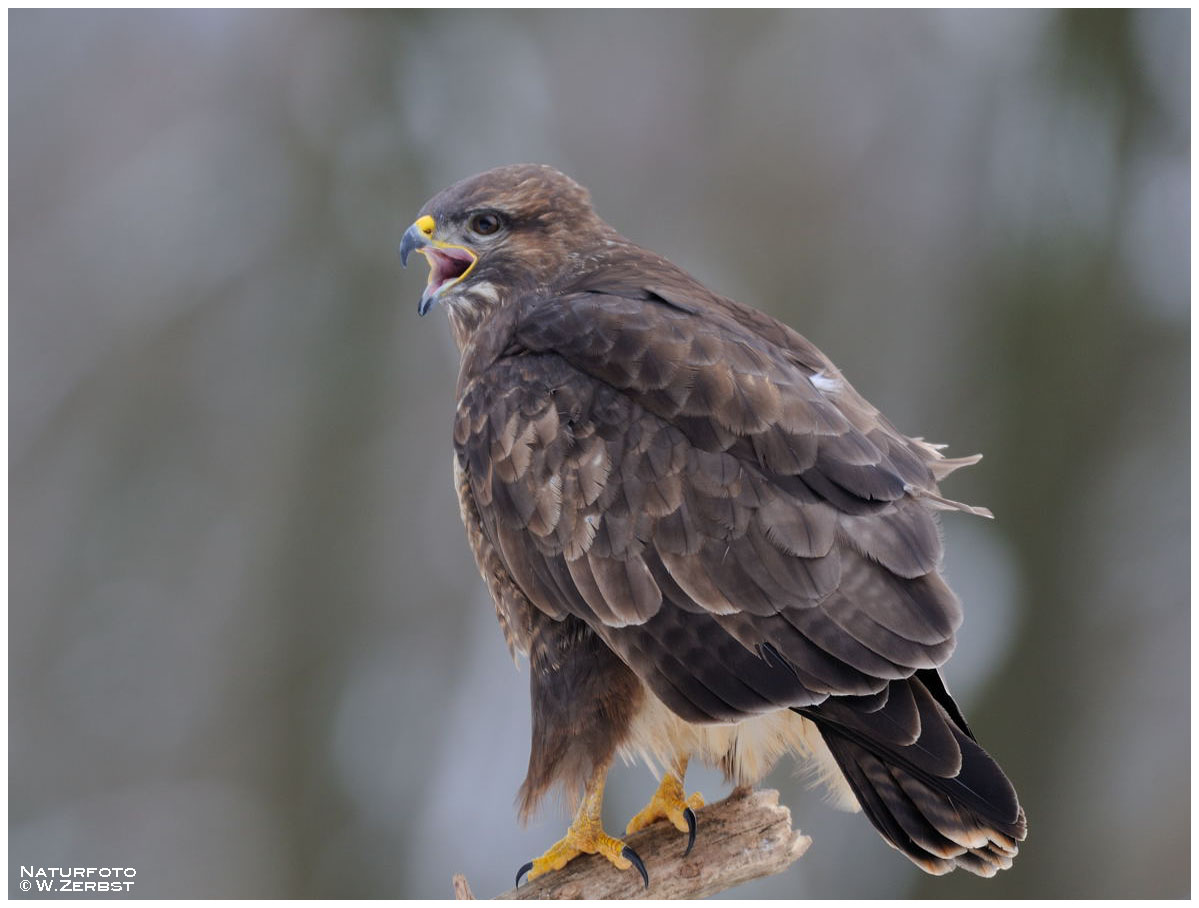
426	224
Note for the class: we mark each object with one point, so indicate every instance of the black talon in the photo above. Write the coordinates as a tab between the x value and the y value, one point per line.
631	856
689	816
523	870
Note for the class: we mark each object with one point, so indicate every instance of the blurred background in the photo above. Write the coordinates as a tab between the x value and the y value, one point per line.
250	654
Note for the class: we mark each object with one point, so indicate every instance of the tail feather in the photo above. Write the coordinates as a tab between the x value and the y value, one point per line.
921	778
880	814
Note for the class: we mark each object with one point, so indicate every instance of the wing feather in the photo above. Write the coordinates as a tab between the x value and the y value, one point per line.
725	511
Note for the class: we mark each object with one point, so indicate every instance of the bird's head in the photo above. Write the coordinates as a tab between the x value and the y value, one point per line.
508	228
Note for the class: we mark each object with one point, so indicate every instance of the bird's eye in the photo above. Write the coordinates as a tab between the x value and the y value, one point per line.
485	223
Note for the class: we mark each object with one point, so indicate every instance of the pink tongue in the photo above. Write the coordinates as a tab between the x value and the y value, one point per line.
449	267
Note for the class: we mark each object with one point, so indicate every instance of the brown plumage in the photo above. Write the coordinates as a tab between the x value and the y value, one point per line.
704	539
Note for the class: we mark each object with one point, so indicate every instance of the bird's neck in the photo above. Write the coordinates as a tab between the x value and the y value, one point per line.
483	330
469	309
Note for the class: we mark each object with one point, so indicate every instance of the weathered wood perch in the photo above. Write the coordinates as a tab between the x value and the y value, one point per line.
746	836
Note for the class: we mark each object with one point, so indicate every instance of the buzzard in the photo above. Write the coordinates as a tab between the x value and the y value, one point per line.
705	541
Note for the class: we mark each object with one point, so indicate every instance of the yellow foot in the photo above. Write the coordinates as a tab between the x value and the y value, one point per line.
670	803
583	838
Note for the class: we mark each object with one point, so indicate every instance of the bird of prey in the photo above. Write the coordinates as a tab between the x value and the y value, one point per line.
705	541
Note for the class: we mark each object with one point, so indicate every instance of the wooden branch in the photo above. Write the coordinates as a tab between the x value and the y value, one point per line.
746	836
462	888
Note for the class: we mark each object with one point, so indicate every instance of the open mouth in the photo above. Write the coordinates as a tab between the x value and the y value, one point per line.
447	266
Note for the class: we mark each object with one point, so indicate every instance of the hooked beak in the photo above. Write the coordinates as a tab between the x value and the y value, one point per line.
448	264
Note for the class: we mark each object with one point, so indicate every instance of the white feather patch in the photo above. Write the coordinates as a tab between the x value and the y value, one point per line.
746	750
825	383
